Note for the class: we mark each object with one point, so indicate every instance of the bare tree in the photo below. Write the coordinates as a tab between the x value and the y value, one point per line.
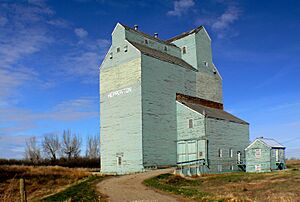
93	147
51	146
32	151
70	145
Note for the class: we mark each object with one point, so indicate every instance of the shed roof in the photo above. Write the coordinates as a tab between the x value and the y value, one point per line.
162	56
214	113
271	142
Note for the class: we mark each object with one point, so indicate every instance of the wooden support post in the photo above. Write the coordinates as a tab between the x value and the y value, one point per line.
22	190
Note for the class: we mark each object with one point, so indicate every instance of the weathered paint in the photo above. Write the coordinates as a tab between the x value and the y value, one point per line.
138	110
266	161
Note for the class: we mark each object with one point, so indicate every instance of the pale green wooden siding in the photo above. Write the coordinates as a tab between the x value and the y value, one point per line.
120	115
191	144
263	161
267	161
225	135
161	81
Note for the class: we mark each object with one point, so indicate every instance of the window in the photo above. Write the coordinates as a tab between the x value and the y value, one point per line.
231	167
146	41
200	154
191	124
166	48
257	153
125	48
118	49
258	167
277	154
110	55
219	168
184	50
119	160
220	153
205	63
238	157
230	153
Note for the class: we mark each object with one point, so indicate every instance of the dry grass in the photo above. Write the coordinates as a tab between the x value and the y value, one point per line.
40	181
274	186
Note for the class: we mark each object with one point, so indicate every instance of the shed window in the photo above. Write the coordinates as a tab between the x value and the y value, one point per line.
110	55
166	48
118	49
205	63
119	160
184	50
277	154
258	167
257	153
230	153
191	124
231	167
220	153
146	41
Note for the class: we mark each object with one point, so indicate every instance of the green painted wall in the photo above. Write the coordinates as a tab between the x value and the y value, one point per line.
225	135
266	161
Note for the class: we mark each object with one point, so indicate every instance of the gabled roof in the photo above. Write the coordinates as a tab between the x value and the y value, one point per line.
162	56
213	112
184	34
269	142
148	36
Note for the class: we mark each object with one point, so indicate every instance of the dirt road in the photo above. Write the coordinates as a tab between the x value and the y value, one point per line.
130	188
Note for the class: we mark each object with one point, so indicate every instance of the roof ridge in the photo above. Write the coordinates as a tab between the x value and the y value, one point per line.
148	35
184	34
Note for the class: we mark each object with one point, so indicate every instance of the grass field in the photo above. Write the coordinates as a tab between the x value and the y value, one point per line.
45	180
274	186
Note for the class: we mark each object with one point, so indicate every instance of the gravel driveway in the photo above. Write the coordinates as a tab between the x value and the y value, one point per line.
130	188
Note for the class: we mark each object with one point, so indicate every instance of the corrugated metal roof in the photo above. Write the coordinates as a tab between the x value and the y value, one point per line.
162	56
214	113
271	142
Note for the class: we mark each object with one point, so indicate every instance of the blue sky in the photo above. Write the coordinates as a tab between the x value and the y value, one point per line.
50	52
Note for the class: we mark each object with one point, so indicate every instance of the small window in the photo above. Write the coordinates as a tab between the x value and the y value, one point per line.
166	48
110	55
219	168
205	63
146	41
258	167
230	153
231	167
191	124
220	153
119	160
118	49
257	153
184	50
200	154
125	48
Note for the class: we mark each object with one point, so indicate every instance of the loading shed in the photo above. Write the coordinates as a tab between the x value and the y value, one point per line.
265	155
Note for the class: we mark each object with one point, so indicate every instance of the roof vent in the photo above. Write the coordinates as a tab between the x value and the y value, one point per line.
156	35
136	27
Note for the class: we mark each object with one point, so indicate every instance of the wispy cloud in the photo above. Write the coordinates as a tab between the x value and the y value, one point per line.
221	24
80	32
181	7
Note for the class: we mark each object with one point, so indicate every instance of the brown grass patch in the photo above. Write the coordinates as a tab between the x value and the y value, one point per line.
39	181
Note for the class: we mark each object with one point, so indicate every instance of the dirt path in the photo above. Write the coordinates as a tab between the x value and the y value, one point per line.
130	188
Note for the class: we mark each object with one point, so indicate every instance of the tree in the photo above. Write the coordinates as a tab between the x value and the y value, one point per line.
70	145
51	146
32	151
93	147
